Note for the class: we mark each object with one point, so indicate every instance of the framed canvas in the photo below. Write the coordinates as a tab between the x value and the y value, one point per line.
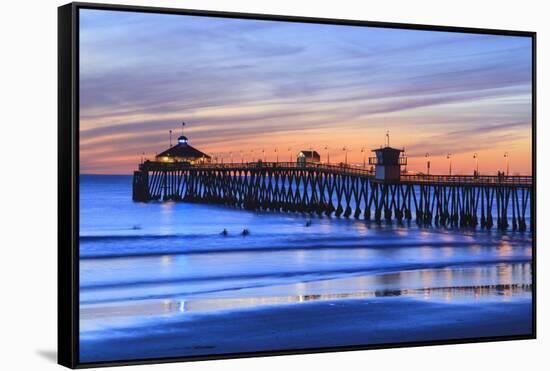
237	185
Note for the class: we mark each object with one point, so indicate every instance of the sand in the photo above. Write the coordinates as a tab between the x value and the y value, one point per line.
311	325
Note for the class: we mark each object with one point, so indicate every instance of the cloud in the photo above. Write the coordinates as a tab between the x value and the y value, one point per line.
490	136
242	81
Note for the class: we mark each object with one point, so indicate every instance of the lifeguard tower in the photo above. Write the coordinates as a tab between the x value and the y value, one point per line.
388	162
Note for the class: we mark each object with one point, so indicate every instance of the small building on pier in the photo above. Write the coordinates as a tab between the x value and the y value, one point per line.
308	157
387	163
183	152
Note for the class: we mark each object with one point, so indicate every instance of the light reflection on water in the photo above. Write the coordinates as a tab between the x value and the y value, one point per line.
505	249
449	294
171	306
469	285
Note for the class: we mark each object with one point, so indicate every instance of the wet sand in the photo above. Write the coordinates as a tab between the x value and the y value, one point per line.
313	324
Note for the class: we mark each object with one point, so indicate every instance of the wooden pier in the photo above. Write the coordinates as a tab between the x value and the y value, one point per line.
455	201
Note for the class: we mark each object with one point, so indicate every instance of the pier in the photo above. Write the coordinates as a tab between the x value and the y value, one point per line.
503	202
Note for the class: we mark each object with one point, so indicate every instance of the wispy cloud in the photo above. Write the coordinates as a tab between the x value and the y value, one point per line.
244	84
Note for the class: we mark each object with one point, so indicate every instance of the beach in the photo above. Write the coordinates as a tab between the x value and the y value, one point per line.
312	325
161	280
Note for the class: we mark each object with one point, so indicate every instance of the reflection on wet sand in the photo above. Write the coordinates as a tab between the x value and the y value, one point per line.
494	283
170	306
448	293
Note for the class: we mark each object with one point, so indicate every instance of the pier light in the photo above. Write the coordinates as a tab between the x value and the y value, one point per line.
290	154
345	149
364	157
276	155
427	163
450	164
328	155
242	157
507	159
263	154
477	163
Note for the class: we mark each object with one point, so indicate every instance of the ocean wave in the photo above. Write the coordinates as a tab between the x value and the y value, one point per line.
117	237
317	273
259	249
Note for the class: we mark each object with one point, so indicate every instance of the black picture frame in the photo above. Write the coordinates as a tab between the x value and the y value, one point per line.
68	179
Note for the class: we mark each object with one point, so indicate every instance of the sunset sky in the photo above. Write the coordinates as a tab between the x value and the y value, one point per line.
245	85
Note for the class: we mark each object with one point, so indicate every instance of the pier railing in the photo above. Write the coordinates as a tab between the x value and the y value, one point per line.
343	168
347	169
468	179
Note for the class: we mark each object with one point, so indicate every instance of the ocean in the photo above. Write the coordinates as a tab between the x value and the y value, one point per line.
162	280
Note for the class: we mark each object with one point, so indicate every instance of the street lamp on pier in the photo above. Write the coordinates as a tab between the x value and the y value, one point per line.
328	155
507	159
276	155
477	163
345	149
450	164
364	156
427	163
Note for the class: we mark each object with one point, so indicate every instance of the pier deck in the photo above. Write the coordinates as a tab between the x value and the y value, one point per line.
465	201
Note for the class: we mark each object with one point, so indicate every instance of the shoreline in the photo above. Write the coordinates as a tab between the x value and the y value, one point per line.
348	322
